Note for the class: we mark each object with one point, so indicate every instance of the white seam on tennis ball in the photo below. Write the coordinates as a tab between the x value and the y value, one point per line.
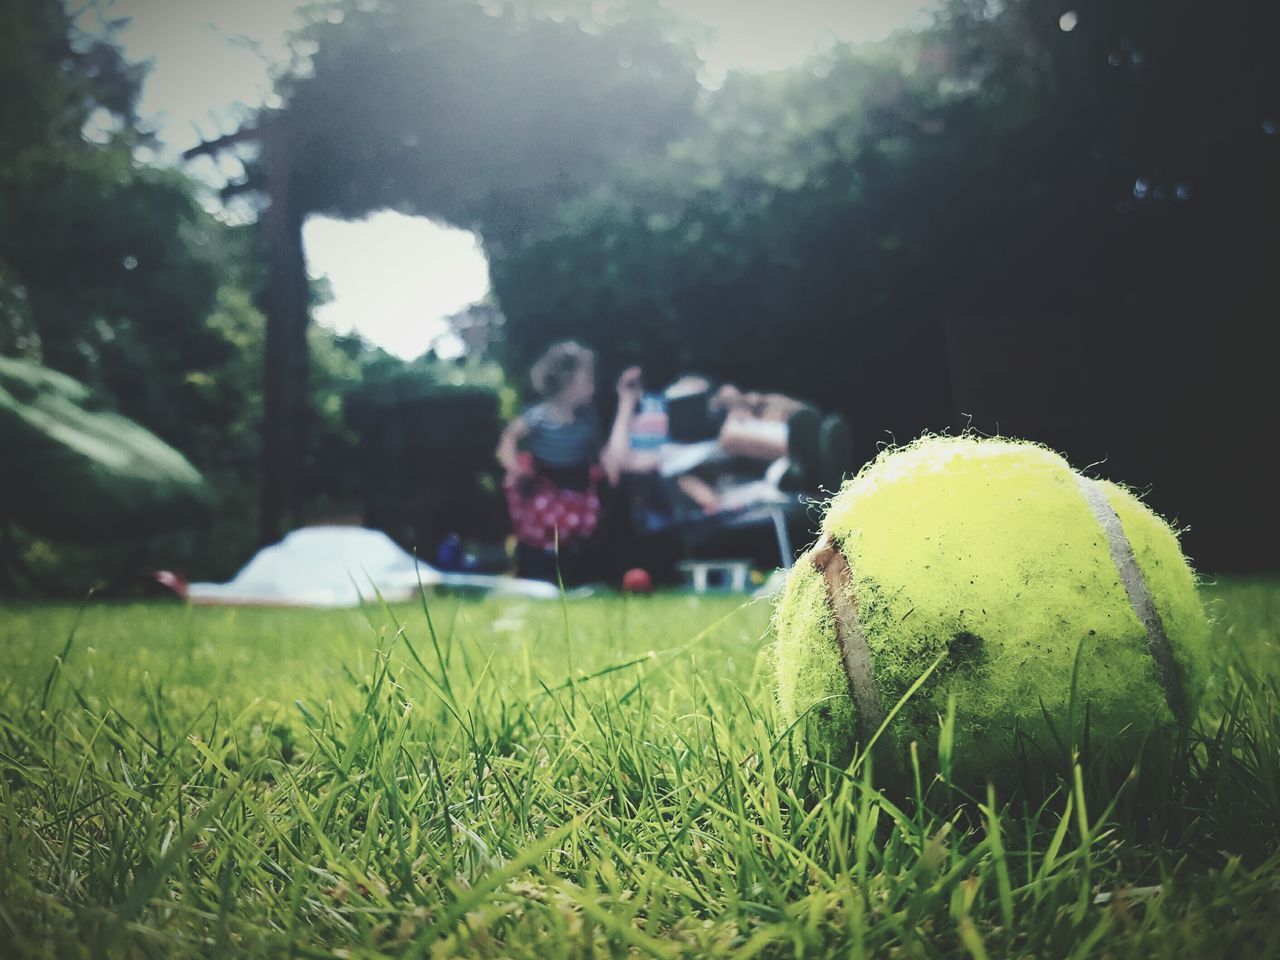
1139	594
855	653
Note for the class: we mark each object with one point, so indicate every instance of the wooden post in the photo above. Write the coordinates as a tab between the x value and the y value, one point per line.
285	412
285	368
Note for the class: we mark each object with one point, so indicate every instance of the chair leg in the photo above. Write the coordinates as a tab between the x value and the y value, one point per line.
784	538
835	447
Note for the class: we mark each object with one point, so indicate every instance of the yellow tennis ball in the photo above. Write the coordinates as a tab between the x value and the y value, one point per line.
997	557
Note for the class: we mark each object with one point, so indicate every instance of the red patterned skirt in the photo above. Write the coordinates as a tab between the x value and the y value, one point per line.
544	514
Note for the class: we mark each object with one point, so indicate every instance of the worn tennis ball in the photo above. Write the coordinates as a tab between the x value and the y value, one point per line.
1048	596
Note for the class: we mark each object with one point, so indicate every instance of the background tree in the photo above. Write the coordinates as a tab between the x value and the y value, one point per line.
482	115
1052	225
1058	223
110	258
111	271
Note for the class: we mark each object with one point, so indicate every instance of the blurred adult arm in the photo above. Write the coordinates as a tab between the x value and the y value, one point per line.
774	406
699	491
617	449
754	437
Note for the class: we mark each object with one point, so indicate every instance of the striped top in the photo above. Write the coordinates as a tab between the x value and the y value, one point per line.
557	443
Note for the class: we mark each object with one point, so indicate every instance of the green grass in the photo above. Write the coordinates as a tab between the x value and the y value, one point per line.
598	778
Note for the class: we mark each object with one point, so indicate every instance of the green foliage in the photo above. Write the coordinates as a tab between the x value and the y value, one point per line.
81	472
18	337
484	115
502	778
716	258
112	260
112	272
841	231
438	421
52	79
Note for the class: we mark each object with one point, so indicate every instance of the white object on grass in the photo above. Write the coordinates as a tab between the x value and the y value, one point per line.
336	566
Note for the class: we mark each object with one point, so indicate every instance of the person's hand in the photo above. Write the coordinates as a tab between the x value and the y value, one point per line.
630	386
700	492
522	476
727	400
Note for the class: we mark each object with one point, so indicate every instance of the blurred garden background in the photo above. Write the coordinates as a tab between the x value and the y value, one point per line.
270	266
1053	219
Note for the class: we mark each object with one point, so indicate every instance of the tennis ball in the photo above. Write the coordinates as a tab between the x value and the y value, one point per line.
996	557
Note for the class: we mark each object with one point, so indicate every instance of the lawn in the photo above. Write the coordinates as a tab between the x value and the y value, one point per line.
601	777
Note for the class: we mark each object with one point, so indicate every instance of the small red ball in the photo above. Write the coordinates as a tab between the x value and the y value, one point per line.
637	580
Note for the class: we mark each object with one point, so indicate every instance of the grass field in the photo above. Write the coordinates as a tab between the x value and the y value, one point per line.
598	778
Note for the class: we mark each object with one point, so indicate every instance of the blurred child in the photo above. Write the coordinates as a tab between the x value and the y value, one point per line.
556	457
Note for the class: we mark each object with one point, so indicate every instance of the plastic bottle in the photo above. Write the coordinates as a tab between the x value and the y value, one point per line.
650	427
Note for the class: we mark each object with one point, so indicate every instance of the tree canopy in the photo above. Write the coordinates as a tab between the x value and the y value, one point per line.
1055	223
477	114
109	265
994	163
112	272
1048	226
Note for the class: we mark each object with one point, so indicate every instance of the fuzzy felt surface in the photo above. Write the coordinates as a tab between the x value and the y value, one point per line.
986	551
1173	588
